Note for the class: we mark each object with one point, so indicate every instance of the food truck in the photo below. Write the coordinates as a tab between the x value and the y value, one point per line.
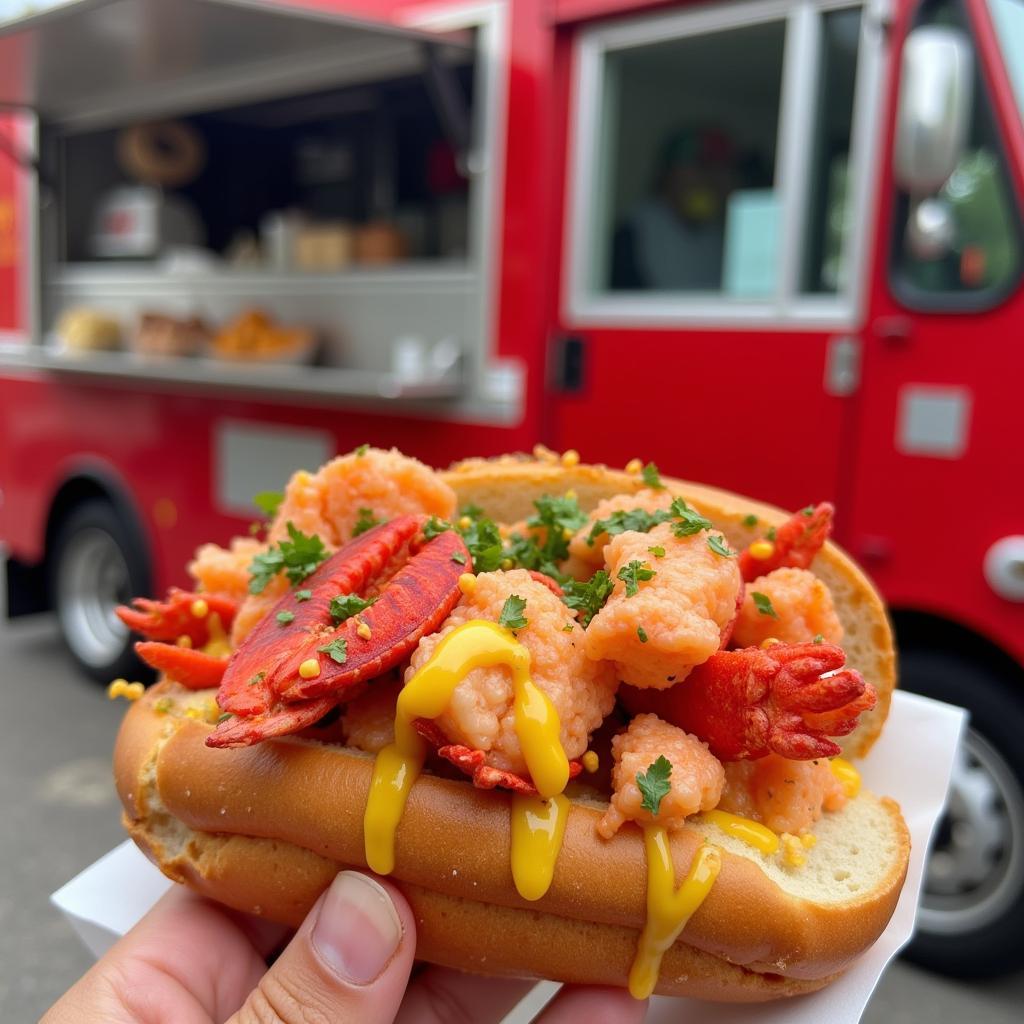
772	245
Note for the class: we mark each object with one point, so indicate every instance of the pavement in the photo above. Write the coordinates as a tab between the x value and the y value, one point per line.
60	813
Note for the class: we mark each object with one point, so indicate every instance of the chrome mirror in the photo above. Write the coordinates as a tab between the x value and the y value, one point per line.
936	87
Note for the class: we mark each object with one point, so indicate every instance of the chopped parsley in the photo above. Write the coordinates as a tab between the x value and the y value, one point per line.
434	527
769	534
336	649
344	606
268	502
750	520
484	543
819	638
652	477
298	557
636	520
283	618
590	597
303	595
633	573
257	679
642	633
658	551
472	512
654	784
361	450
512	612
808	511
718	545
366	521
459	558
567	628
554	523
690	521
763	603
224	716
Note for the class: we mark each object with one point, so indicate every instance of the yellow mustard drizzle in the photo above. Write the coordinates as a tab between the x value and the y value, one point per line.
847	775
751	832
219	645
537	829
474	644
668	909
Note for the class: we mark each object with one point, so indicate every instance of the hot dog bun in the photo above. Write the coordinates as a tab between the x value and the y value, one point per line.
264	829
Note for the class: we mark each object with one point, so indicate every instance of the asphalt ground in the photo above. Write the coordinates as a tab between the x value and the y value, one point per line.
59	813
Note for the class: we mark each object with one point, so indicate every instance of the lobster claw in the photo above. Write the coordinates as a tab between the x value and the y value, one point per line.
181	613
193	669
474	762
795	544
787	699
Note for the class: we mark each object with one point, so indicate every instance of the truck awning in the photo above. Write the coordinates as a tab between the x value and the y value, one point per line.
86	61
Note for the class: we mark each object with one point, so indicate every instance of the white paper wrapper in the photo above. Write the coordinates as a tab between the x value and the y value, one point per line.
911	762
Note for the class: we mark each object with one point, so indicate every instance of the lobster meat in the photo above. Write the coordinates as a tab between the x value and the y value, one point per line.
294	667
795	544
184	634
786	699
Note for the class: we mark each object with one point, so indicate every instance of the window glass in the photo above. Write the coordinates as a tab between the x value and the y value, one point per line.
1008	18
685	193
965	239
829	214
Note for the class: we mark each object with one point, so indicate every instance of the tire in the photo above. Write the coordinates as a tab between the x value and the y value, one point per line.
97	562
971	920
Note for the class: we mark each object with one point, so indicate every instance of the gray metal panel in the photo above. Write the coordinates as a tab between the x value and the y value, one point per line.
88	55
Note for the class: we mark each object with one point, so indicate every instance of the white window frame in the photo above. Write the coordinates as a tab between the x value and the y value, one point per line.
583	305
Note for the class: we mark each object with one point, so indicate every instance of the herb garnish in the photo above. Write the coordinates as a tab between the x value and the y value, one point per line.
337	649
268	502
590	597
366	521
658	551
642	634
303	595
690	521
298	557
283	618
511	616
633	573
763	604
652	477
654	784
344	606
718	545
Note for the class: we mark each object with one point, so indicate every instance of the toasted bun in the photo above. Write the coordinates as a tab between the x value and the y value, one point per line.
507	487
265	828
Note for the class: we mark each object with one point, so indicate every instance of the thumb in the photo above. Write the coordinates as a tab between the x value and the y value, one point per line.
349	962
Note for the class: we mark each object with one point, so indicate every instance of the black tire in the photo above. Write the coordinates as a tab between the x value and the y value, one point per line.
97	560
971	921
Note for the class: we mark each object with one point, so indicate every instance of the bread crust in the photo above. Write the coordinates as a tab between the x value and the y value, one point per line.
300	795
264	829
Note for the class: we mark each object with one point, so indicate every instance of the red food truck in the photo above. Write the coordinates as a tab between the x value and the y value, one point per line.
774	245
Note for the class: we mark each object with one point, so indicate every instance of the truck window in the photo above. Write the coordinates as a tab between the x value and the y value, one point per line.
718	154
979	262
690	203
1008	18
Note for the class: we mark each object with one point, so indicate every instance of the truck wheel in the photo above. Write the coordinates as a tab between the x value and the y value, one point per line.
971	920
96	563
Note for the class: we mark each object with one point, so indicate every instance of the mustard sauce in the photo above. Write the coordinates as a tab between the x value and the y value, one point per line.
537	829
751	832
474	644
668	909
848	776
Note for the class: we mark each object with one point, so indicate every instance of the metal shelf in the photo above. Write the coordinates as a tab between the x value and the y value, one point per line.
265	380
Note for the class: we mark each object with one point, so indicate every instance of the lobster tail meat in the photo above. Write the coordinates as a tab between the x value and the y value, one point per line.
787	699
415	602
794	545
248	687
281	720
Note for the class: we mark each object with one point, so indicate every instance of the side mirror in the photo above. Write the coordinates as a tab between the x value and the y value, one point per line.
936	86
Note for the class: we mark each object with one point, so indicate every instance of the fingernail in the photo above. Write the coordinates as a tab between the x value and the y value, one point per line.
358	929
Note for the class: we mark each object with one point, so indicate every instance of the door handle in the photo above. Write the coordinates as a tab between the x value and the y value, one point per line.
896	330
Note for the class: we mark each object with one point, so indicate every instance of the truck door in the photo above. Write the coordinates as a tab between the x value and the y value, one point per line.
937	396
714	260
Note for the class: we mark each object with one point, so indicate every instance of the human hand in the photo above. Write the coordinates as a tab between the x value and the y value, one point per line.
191	961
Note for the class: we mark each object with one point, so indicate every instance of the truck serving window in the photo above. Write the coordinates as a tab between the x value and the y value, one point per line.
718	156
960	248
